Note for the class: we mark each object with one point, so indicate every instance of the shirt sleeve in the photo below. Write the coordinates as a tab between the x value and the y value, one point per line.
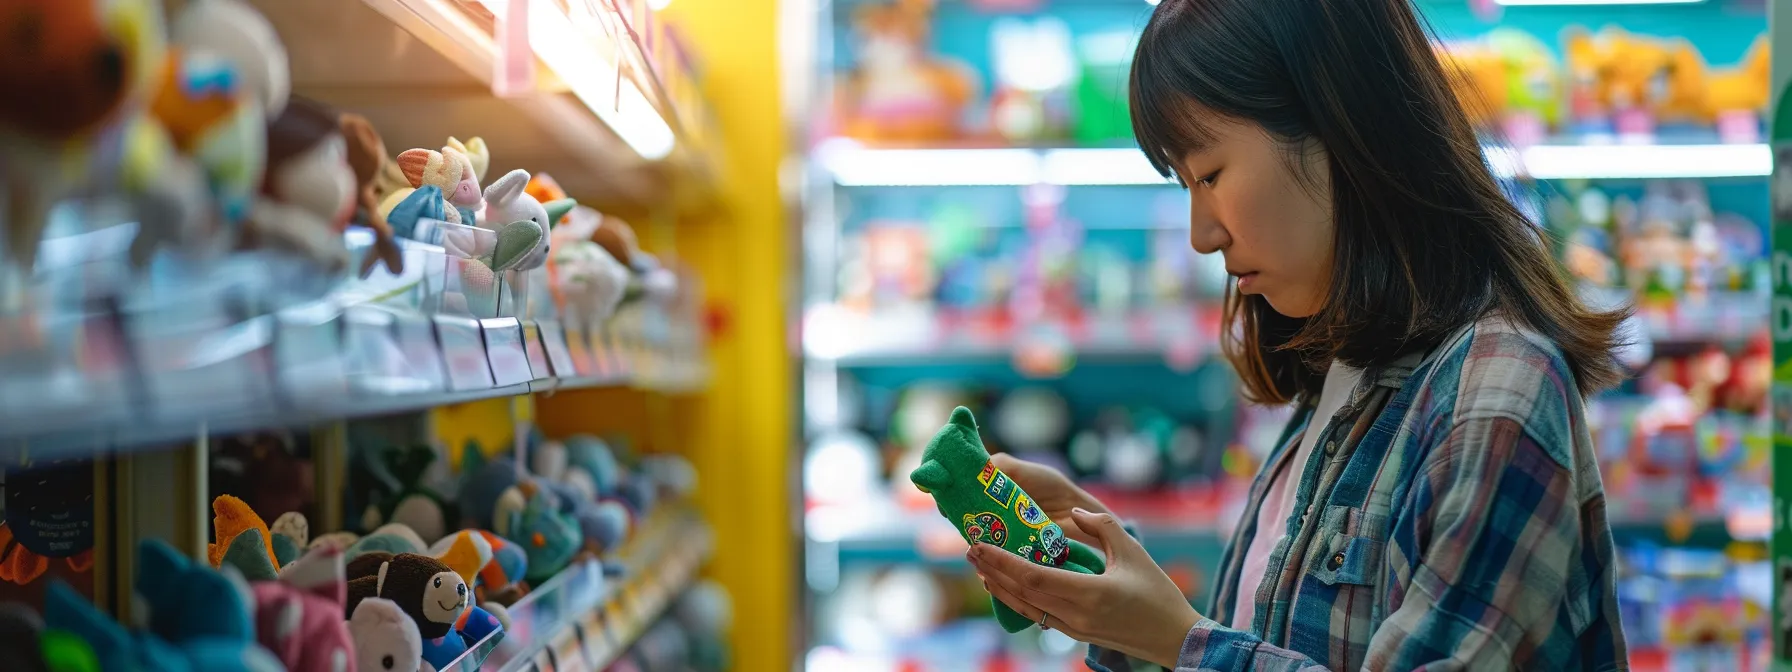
1492	542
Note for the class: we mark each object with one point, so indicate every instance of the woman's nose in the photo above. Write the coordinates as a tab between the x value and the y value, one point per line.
1204	231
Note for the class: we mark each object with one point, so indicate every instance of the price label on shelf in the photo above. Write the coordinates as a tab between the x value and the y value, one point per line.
308	352
504	351
537	354
463	353
559	354
417	345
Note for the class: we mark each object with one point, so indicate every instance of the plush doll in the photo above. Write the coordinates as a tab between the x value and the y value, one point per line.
393	538
232	517
199	619
385	637
292	535
989	508
224	77
593	466
508	205
403	496
299	617
72	120
337	540
1743	88
449	171
618	238
366	154
900	93
487	562
587	283
483	482
309	191
529	515
427	590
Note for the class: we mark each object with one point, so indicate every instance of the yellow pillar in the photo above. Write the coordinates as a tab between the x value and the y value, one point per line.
742	450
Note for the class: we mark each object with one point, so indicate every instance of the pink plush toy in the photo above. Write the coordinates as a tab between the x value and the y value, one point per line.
448	170
299	617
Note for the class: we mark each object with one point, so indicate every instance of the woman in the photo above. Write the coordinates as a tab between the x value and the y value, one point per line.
1435	502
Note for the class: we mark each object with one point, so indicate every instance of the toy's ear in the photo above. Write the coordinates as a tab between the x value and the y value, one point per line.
248	553
415	163
507	514
557	209
515	242
961	416
505	189
930	476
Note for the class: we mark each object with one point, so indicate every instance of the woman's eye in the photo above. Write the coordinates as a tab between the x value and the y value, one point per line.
1209	179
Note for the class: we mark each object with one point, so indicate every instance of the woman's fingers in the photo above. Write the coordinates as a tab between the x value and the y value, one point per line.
1027	579
1109	536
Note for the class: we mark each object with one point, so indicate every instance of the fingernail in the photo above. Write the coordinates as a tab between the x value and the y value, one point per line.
1080	510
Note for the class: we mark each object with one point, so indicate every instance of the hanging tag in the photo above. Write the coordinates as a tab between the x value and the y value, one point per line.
515	65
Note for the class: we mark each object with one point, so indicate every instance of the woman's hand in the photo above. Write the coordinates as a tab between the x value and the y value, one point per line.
1133	607
1052	491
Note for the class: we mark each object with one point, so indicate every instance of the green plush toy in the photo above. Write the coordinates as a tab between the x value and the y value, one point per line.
988	507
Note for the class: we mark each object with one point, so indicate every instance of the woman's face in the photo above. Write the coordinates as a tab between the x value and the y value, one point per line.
1274	230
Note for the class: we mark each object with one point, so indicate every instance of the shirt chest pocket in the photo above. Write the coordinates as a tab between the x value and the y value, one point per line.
1348	547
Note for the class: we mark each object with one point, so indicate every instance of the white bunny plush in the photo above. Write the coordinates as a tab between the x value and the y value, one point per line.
508	203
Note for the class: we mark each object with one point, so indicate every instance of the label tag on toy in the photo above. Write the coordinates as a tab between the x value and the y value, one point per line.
537	355
504	350
308	352
463	351
422	355
559	355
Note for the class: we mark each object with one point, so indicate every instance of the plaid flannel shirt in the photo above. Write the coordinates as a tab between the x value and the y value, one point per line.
1454	519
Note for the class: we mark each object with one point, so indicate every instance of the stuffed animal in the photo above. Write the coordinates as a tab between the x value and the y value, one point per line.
336	540
70	122
450	171
224	78
402	496
508	205
299	617
1743	88
987	507
309	191
487	562
232	517
899	92
587	283
593	466
427	590
483	482
385	637
366	154
25	646
530	515
199	619
393	538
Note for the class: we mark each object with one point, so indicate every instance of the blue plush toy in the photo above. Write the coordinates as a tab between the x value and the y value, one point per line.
199	619
591	458
483	482
529	516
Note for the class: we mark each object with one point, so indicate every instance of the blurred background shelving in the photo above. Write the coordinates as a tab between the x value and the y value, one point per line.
980	230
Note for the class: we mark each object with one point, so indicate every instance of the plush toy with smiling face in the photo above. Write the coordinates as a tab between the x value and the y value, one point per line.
429	591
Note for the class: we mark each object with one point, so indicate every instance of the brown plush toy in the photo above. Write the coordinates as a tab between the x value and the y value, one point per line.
366	155
425	588
618	239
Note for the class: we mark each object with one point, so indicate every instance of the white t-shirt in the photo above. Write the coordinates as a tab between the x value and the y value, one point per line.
1278	503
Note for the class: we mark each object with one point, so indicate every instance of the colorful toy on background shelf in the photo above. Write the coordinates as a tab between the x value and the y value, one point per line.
1034	68
448	170
385	637
989	508
291	537
431	593
405	497
1743	88
309	192
232	517
366	153
299	617
199	620
545	189
899	93
393	538
478	155
489	563
266	469
483	481
529	515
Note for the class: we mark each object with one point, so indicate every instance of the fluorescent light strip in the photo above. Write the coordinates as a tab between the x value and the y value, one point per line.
1538	3
586	66
855	166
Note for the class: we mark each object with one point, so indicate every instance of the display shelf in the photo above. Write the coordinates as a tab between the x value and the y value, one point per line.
135	366
853	165
582	619
852	338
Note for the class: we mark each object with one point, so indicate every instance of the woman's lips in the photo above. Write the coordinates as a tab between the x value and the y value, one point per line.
1244	281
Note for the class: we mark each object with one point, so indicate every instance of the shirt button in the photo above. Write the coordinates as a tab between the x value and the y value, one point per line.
1331	447
1336	561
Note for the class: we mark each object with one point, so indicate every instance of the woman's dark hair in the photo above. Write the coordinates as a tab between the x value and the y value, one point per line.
1426	241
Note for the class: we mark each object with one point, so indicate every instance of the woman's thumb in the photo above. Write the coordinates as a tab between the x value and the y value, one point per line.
1106	529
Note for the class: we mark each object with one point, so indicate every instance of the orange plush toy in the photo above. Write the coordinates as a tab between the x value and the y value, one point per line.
899	93
1744	88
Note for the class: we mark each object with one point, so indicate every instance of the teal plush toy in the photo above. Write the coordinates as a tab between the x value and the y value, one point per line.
529	516
986	506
